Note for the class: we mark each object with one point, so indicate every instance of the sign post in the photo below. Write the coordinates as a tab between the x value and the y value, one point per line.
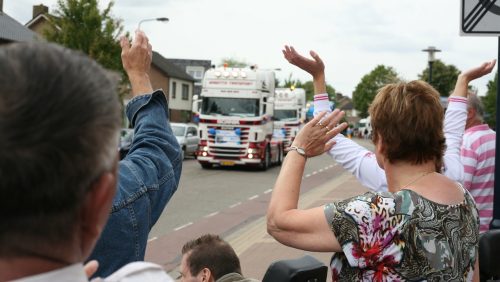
482	18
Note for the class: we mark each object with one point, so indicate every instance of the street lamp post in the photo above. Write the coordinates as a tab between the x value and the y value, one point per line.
163	19
431	50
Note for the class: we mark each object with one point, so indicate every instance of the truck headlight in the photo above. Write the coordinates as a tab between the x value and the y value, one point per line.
205	149
252	151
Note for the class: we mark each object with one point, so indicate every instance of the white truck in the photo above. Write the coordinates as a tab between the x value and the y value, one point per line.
289	113
235	111
365	127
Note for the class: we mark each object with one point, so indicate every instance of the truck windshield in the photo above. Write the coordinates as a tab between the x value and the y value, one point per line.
240	107
285	114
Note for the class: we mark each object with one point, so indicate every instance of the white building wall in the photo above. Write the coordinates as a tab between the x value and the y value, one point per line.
178	103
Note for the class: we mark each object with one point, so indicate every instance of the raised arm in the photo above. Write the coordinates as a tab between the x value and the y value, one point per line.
155	156
353	157
303	229
148	175
455	119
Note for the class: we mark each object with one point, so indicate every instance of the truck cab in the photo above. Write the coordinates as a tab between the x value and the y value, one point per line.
235	111
289	113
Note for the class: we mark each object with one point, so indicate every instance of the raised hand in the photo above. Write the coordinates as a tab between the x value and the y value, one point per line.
479	71
136	60
313	66
461	86
315	137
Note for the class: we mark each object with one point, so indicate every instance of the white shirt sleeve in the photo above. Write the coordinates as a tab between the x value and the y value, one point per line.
355	158
139	271
454	127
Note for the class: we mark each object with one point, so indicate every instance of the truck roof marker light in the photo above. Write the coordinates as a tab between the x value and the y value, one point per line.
225	65
243	74
217	73
292	87
234	74
226	74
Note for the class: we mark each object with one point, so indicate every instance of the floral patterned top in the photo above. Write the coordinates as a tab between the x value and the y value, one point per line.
403	236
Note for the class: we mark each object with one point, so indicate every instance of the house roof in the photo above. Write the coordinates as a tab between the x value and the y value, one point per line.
169	68
11	30
183	63
37	19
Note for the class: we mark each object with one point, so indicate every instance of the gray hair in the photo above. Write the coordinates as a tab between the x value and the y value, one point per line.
59	123
474	102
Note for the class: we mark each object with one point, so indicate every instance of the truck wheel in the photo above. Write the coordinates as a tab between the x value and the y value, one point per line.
266	161
206	165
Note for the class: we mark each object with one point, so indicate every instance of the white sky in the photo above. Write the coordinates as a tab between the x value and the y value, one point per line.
352	36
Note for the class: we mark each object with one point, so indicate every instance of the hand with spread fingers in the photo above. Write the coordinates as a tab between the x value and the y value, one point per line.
315	137
315	67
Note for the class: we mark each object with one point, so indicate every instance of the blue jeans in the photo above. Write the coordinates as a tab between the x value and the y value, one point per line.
148	177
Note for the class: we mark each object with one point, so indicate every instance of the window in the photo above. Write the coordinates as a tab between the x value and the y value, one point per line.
192	130
185	91
174	89
239	107
195	72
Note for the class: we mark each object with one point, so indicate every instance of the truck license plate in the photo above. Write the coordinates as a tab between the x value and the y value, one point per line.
227	163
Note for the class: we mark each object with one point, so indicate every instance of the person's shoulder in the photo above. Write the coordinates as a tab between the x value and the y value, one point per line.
138	271
235	277
400	201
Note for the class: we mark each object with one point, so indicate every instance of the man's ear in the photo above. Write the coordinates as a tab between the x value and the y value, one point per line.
206	275
95	210
471	113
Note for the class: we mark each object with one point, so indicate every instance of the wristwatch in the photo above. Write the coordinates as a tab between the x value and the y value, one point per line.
301	151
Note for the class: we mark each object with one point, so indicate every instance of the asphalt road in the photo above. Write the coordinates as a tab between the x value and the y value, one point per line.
203	193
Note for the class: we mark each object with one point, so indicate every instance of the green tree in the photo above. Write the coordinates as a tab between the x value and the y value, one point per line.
444	77
80	25
490	102
370	84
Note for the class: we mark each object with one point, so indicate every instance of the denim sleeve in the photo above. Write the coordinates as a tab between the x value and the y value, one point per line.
148	177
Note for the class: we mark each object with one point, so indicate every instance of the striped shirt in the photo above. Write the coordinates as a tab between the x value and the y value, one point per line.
478	158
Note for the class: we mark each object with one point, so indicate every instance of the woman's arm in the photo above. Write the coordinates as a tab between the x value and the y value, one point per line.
303	229
455	119
350	155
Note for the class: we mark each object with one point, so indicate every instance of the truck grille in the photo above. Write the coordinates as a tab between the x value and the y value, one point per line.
228	151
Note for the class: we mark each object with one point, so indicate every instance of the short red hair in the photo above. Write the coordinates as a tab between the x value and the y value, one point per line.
408	117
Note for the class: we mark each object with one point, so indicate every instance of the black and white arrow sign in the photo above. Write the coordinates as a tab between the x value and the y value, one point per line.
480	17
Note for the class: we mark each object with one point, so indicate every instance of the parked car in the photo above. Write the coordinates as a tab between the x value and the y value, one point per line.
126	138
187	136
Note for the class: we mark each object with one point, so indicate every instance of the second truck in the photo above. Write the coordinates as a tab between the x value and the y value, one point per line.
289	114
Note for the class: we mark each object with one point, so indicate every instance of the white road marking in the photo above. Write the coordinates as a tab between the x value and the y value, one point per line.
327	167
152	239
314	172
308	175
320	170
182	226
235	205
268	191
212	214
253	197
